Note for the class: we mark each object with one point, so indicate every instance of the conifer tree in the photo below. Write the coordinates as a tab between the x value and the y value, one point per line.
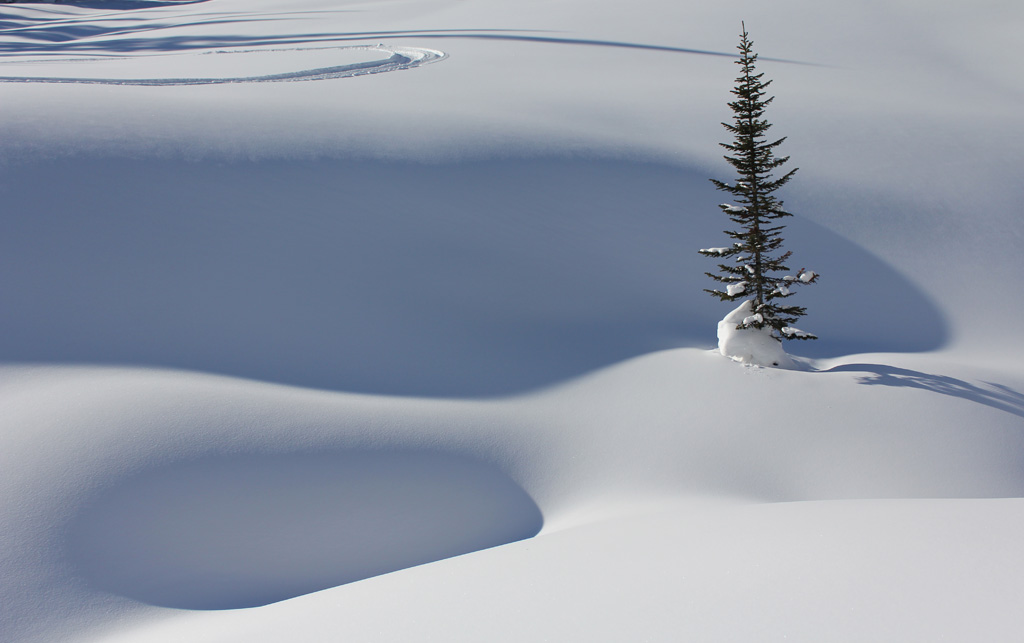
756	268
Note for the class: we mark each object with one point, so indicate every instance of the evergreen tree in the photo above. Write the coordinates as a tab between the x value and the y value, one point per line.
757	269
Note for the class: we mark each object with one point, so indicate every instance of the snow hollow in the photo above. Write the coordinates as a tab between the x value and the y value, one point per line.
396	331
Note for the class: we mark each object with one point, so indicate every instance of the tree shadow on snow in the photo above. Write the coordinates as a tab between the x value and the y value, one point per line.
997	396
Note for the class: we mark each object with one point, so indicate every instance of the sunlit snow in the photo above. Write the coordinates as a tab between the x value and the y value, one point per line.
326	320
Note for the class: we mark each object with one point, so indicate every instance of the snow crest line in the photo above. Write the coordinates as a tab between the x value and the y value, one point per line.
401	58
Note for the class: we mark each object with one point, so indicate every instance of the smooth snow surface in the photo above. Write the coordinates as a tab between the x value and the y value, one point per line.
239	531
425	356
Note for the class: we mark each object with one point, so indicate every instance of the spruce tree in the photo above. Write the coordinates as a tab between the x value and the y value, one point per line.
756	267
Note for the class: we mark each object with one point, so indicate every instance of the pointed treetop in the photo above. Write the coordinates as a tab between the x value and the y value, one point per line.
754	266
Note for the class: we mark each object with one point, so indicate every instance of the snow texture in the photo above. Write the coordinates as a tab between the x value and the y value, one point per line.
736	289
789	331
421	356
752	346
208	534
399	59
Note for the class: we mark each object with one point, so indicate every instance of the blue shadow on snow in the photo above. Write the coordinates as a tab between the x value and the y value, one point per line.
241	531
465	279
997	396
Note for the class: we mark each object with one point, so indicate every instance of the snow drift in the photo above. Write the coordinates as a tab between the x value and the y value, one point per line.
470	278
753	346
424	355
241	531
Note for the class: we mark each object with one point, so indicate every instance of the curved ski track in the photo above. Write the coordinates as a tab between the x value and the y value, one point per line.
401	58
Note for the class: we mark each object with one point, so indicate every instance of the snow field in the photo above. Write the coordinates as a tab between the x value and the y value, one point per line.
426	354
254	469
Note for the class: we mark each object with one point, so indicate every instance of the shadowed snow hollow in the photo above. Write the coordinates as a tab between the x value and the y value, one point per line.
449	279
231	532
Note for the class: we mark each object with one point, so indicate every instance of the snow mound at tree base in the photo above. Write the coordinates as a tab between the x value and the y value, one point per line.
754	346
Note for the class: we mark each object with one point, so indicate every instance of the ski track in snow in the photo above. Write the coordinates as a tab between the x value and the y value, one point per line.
401	58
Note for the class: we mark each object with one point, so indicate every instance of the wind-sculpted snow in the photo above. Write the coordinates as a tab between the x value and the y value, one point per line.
133	488
242	531
400	58
497	280
489	267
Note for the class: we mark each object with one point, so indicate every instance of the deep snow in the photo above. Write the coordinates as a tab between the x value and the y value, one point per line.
263	339
751	346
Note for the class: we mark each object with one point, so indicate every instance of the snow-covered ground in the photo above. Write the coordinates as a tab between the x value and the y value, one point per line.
410	345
